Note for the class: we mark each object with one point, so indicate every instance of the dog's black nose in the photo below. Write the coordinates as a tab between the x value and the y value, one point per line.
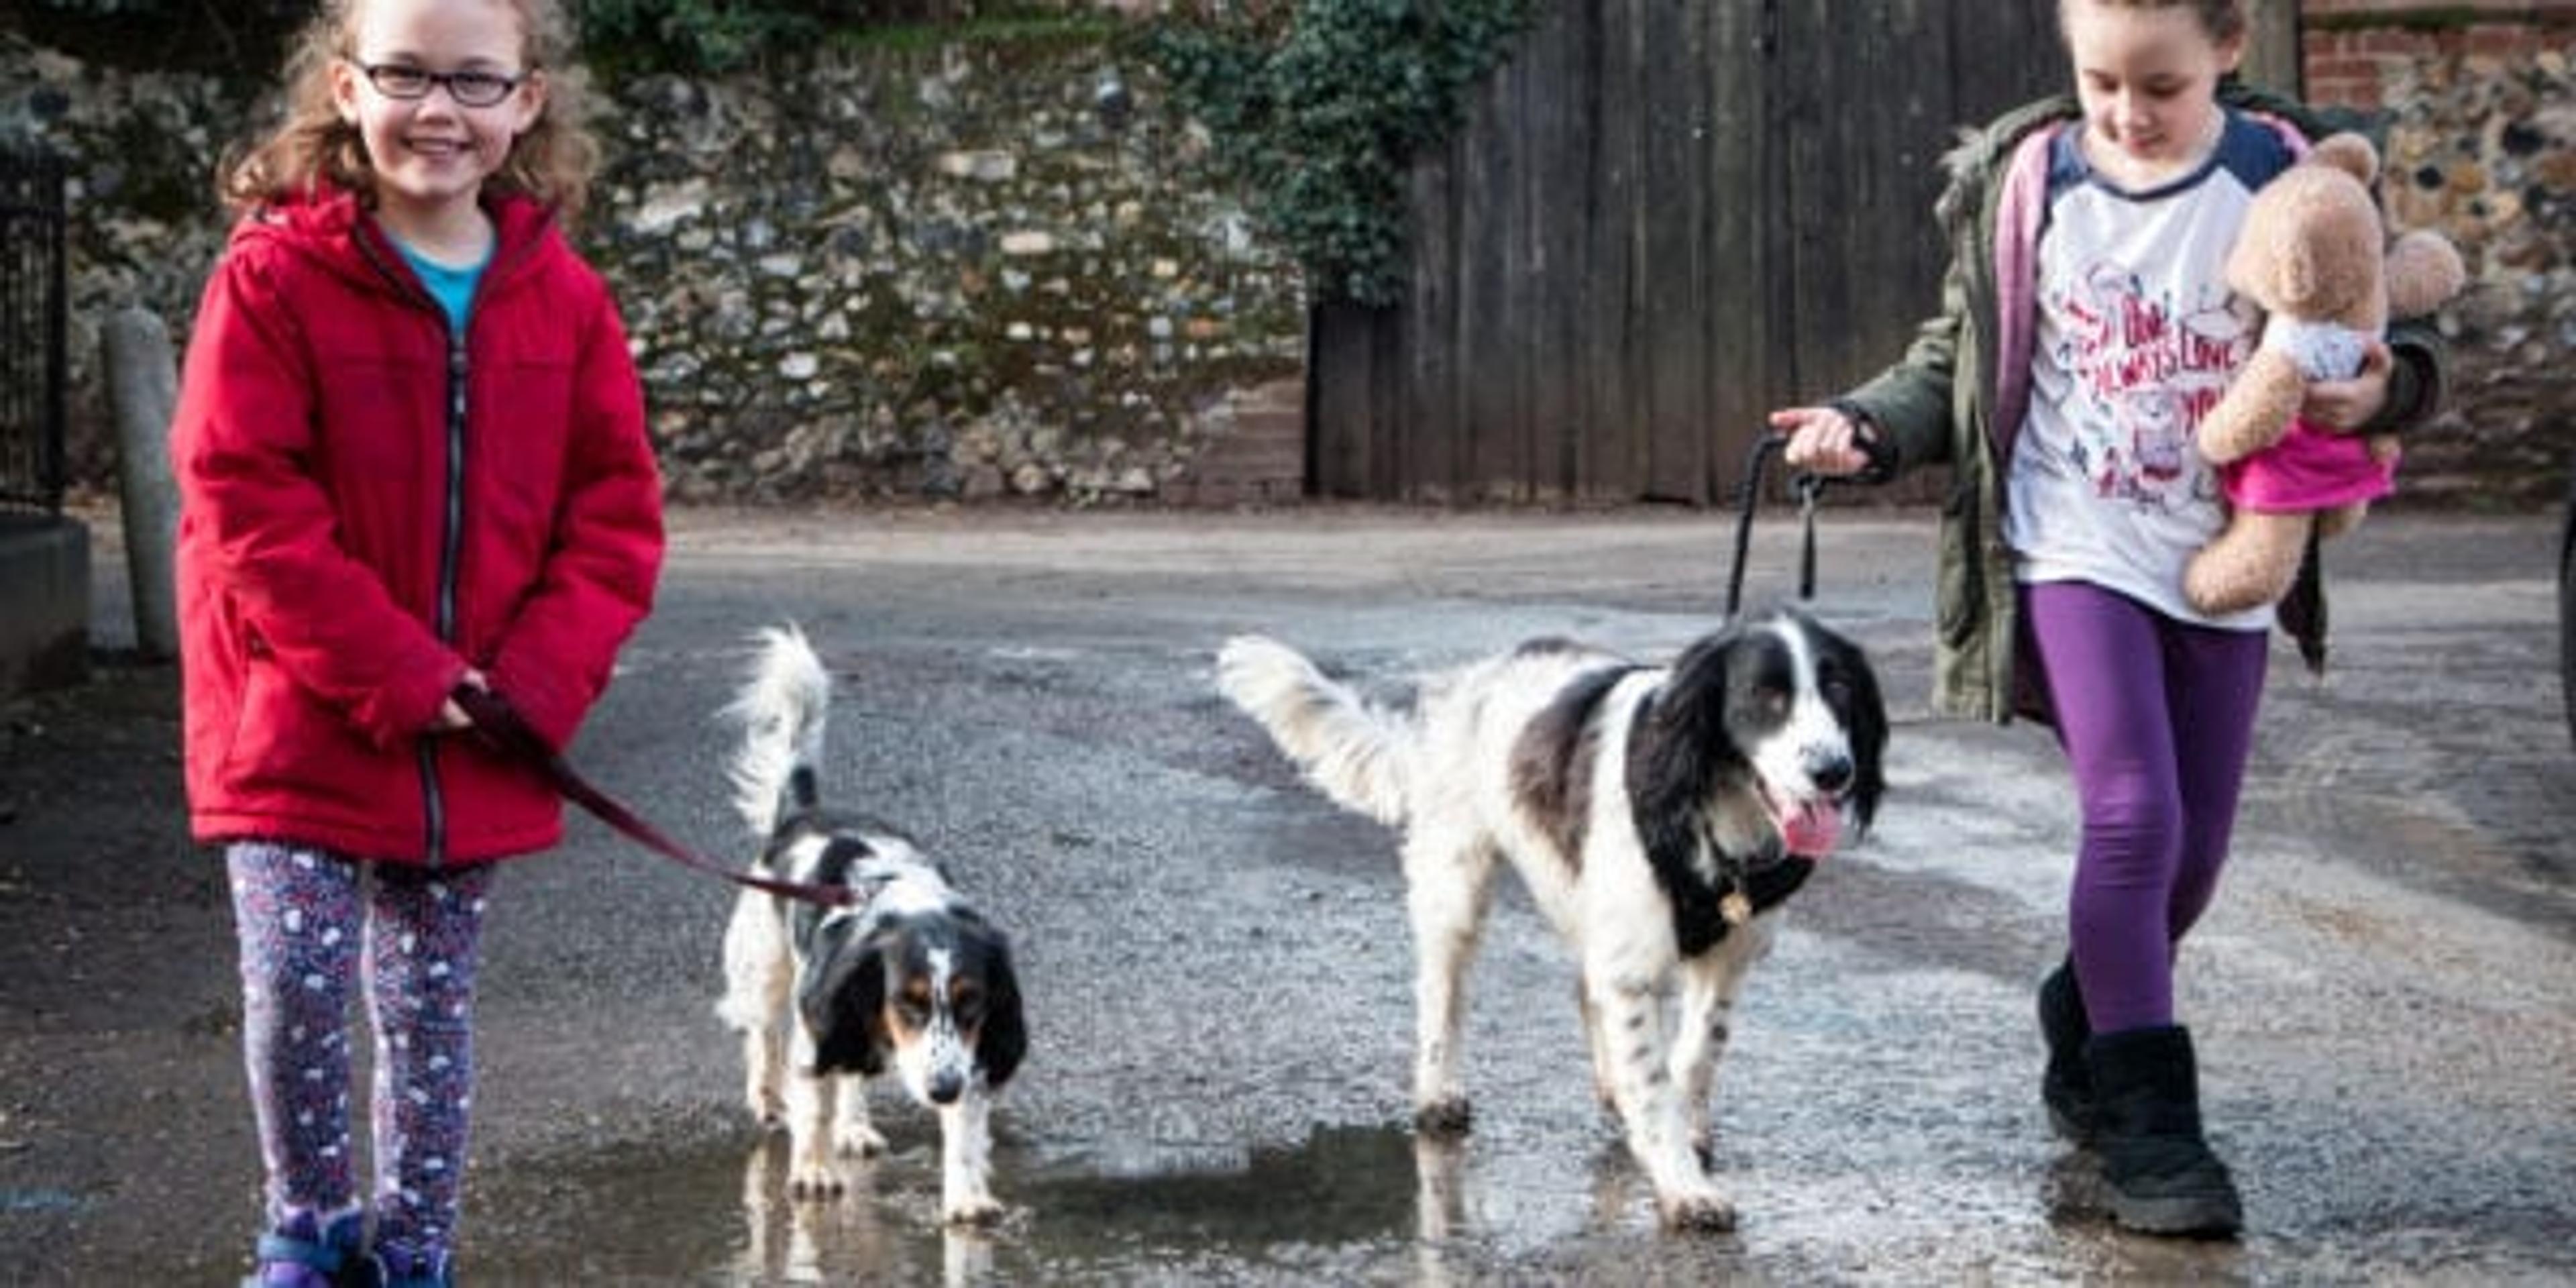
1831	772
945	1088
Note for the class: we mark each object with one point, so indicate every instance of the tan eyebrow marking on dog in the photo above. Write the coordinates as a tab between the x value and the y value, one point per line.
904	1030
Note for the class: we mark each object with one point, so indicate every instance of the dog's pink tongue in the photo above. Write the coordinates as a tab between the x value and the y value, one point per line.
1812	829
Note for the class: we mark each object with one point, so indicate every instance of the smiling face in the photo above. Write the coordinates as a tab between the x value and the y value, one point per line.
2147	76
431	154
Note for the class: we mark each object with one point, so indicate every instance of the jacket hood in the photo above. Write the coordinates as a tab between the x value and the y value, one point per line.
328	227
1978	153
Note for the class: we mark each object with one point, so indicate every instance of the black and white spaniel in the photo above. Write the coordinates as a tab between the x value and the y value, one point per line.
910	979
1658	814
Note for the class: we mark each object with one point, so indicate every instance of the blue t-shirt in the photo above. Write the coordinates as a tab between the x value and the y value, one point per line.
453	288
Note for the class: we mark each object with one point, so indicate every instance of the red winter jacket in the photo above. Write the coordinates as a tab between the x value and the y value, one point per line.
368	507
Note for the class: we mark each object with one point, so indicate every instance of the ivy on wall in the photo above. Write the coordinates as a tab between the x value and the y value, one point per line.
696	36
1318	111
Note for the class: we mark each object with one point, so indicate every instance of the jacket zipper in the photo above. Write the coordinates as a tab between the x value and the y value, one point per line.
433	801
451	546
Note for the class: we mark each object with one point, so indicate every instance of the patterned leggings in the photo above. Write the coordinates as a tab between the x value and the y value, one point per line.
308	920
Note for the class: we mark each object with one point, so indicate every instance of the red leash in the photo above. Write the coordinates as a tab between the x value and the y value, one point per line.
498	724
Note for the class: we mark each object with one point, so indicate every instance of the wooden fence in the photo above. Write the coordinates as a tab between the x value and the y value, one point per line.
1662	219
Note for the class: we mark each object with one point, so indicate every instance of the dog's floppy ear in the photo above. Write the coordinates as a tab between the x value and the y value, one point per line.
1678	746
1002	1041
840	998
1866	723
1676	749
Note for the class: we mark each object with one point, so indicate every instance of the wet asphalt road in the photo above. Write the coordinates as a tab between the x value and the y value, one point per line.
2385	995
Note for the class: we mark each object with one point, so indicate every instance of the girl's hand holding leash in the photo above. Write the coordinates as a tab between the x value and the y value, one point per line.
452	717
1823	440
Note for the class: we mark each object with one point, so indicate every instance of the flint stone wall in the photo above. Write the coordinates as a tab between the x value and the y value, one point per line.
2481	127
971	271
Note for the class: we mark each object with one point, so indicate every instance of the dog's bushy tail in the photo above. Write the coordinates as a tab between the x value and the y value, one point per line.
1352	750
782	707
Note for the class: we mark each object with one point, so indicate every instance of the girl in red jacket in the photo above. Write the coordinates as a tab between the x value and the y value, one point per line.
411	453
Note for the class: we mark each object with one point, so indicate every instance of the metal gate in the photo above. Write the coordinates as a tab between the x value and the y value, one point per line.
34	316
1661	219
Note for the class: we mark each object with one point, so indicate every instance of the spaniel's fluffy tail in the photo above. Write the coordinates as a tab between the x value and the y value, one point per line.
1351	749
782	707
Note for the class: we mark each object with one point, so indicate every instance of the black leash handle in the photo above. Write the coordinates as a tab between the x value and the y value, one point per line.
1748	498
1809	486
501	728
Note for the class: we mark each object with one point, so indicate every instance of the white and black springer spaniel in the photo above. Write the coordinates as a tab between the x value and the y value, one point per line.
1658	814
910	979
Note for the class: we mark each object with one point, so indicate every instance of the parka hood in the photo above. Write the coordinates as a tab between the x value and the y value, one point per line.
329	227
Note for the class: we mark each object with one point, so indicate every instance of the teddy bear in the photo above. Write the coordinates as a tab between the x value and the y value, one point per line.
2316	256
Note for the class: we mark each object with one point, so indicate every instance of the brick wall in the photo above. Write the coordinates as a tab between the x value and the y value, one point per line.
2353	49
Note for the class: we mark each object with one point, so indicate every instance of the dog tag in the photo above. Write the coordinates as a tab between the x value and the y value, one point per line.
1735	908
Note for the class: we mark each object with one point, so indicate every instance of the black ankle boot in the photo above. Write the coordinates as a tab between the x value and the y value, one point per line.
2067	1084
2159	1171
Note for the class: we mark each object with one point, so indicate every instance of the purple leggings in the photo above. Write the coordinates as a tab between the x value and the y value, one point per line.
2156	717
308	921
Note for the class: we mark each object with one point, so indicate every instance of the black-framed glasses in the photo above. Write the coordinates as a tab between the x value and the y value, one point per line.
468	88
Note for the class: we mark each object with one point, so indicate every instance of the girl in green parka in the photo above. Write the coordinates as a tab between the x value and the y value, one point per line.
2085	329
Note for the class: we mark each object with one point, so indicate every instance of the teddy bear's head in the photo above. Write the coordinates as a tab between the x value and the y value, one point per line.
2313	241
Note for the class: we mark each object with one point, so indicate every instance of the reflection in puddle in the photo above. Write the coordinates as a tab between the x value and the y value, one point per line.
1342	1185
1346	1203
1439	1209
812	1241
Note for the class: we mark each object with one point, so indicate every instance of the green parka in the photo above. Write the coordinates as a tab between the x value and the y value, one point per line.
1939	405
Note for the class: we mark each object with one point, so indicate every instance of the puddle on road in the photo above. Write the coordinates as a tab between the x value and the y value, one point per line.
1341	1200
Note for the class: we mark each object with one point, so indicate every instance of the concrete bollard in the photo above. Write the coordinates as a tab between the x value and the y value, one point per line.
143	388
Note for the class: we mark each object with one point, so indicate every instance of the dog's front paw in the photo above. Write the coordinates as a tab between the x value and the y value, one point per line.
1698	1211
858	1140
1446	1116
972	1209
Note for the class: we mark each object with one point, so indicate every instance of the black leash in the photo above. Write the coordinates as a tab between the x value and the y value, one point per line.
1748	498
1809	486
500	727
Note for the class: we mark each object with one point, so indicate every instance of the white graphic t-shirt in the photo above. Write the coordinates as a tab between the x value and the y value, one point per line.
2138	335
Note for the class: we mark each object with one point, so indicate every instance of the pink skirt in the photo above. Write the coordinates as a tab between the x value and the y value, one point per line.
2309	469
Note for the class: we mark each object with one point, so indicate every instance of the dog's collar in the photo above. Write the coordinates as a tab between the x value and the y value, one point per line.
1755	883
870	878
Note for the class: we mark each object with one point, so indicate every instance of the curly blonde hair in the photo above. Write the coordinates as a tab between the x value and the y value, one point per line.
552	161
